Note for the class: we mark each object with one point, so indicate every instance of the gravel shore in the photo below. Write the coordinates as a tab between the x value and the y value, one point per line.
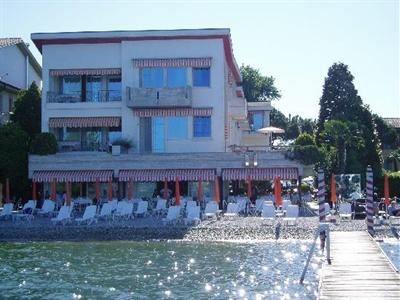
239	228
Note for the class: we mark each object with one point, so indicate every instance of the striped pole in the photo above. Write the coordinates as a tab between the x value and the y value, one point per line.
321	195
370	201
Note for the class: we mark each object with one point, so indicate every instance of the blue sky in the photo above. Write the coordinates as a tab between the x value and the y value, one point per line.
294	41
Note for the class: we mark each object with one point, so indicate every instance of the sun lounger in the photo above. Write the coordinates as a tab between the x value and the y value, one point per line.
345	212
259	205
172	215
232	210
26	212
161	207
393	220
193	215
47	208
268	212
64	215
211	210
7	210
190	204
105	212
285	204
89	216
292	213
142	208
241	205
114	204
124	210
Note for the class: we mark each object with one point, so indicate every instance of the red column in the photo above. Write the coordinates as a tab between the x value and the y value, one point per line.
248	187
177	192
68	194
386	190
278	192
109	190
34	190
98	190
7	190
333	189
130	189
200	191
216	190
165	194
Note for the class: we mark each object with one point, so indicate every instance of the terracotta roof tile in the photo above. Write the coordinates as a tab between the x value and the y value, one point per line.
5	42
394	122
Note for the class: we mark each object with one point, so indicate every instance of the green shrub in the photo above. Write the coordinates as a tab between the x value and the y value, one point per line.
305	188
304	139
125	143
43	144
307	155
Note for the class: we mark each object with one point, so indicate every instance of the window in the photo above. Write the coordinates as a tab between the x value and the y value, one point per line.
257	120
152	77
158	134
202	126
114	88
10	104
176	77
71	85
114	133
71	134
93	88
201	76
177	128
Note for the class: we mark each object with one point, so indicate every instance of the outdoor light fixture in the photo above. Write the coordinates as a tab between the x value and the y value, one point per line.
246	160
255	160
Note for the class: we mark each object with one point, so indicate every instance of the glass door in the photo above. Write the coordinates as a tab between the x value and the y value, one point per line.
158	135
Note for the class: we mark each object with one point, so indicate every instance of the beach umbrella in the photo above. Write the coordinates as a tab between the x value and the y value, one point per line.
333	188
386	190
177	192
109	190
7	190
165	192
68	194
217	196
271	129
200	191
98	190
278	192
33	190
130	189
248	187
53	190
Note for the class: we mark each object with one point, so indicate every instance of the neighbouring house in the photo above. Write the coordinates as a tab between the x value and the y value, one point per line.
390	164
18	69
174	95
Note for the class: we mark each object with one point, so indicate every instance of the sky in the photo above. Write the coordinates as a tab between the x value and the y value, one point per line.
294	41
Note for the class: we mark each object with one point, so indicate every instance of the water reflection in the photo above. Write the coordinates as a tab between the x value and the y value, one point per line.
157	270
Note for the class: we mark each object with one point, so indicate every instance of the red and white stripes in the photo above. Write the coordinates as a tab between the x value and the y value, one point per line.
321	195
370	201
72	176
172	112
259	173
199	62
85	122
147	175
65	72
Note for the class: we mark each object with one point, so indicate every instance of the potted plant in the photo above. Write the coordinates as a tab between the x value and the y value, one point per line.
121	145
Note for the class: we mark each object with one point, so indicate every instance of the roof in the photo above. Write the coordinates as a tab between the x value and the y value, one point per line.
6	42
394	122
95	37
9	87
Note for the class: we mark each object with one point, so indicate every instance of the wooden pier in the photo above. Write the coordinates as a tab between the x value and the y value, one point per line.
359	270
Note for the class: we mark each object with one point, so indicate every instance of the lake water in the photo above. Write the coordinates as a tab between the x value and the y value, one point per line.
157	270
392	249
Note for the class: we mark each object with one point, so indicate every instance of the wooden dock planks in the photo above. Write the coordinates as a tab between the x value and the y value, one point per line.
359	270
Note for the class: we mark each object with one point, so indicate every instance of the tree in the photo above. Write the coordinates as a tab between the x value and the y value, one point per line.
43	144
307	126
27	110
257	87
387	134
305	150
278	119
14	158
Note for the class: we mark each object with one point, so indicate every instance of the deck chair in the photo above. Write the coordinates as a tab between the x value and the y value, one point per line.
161	207
232	210
327	210
242	203
47	208
105	212
142	208
292	213
89	216
285	204
268	212
124	210
211	210
114	204
394	221
26	212
190	204
172	215
259	205
64	215
345	212
7	210
193	215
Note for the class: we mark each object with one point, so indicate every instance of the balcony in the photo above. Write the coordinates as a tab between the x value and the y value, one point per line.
71	146
100	96
159	97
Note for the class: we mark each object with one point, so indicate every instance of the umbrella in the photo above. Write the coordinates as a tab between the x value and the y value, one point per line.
53	190
200	191
165	192
333	188
248	187
7	190
271	129
130	189
386	190
109	190
278	192
33	190
68	194
177	192
98	190
217	196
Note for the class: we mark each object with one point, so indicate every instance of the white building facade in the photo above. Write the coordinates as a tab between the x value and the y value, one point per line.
173	95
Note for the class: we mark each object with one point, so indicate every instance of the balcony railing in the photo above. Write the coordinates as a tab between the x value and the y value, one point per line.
70	146
100	96
159	97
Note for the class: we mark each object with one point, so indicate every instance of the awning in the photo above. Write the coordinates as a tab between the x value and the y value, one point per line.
65	72
259	173
72	176
170	174
172	62
172	112
85	122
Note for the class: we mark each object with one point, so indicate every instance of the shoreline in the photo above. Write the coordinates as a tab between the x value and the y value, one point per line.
238	229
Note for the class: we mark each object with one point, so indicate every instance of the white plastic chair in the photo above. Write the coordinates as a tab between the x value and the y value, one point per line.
47	208
142	208
292	213
172	215
242	203
345	212
232	210
7	210
89	216
106	211
259	205
190	204
211	210
268	212
114	204
285	204
30	205
193	215
64	215
161	207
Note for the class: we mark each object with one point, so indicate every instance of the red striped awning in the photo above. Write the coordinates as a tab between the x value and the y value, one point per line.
199	62
171	174
259	173
65	72
72	176
172	112
85	122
